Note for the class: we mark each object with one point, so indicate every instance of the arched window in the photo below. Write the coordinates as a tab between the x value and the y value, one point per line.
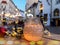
56	12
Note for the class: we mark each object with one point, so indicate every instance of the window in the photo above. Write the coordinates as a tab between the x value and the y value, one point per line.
57	1
45	17
56	12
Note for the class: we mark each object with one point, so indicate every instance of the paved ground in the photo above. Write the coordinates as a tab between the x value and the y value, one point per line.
54	33
53	37
55	30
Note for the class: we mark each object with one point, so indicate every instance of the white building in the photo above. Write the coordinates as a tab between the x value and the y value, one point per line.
51	8
31	6
8	8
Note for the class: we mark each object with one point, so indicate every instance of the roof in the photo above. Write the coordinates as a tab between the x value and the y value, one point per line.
33	5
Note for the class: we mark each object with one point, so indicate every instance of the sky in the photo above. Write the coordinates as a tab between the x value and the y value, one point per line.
20	4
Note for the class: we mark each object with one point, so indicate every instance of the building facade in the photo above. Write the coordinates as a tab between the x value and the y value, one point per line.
50	11
51	8
8	8
55	12
31	6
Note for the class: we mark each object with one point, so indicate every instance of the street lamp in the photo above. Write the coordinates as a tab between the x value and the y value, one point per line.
29	11
25	14
40	16
30	15
41	9
7	14
16	9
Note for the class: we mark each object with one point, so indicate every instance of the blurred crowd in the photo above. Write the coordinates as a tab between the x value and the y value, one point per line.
12	26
